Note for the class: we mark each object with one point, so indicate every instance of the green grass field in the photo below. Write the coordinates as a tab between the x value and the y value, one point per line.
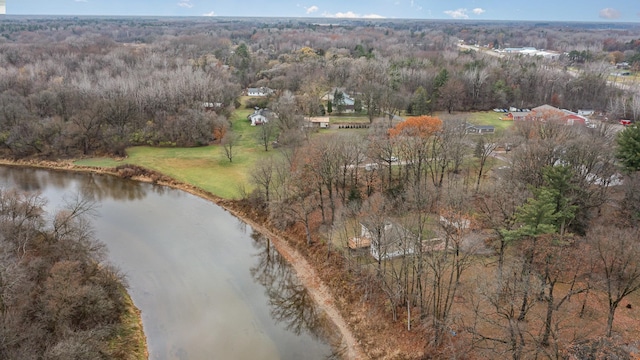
489	118
341	119
206	167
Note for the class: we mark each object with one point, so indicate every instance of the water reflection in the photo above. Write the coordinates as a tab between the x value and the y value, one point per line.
92	186
102	187
204	290
290	302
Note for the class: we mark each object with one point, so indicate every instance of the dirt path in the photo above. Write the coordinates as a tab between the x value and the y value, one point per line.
306	273
317	289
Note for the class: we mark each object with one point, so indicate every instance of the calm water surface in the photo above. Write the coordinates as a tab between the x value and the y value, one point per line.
209	287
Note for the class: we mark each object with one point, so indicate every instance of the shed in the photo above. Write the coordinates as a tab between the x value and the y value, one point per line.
317	121
480	129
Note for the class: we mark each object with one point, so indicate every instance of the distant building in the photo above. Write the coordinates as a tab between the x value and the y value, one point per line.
548	112
346	104
623	65
321	122
211	106
259	92
531	51
480	129
260	116
517	115
585	112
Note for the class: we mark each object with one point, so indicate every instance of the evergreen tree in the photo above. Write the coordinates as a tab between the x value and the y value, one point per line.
538	216
628	151
439	82
338	101
420	104
558	180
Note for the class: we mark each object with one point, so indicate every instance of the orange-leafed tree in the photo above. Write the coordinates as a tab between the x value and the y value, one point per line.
415	141
422	126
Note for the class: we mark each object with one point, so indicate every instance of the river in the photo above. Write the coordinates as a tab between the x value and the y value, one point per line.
208	286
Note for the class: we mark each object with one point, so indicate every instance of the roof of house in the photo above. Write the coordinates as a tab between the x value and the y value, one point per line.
318	119
260	90
479	127
562	114
260	112
545	107
391	232
348	100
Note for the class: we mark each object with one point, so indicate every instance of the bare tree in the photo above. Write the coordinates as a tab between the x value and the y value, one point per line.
263	177
616	254
288	113
484	149
266	134
229	142
495	326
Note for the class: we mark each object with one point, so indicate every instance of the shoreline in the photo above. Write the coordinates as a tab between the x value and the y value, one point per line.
305	272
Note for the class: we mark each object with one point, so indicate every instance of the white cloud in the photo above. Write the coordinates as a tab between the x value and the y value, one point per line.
312	9
458	13
478	11
212	13
609	13
352	15
185	4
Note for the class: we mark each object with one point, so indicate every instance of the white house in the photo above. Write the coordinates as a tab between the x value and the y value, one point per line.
346	101
388	240
259	116
259	92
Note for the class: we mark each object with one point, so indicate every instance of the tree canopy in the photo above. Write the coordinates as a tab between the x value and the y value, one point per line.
629	148
422	126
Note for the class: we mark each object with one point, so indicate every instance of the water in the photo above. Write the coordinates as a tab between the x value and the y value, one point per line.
208	286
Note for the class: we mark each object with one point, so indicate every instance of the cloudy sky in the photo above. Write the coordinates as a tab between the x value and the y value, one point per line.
551	10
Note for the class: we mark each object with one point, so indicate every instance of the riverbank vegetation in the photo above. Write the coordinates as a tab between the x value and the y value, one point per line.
59	299
436	242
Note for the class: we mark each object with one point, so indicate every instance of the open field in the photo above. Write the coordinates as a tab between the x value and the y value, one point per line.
341	119
206	167
480	118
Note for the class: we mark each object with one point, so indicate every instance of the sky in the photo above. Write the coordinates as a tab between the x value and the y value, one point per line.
527	10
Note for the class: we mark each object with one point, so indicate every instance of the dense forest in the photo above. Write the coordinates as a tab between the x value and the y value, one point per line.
73	86
520	244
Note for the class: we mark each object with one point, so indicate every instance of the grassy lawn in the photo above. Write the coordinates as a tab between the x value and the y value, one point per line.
633	78
206	167
341	119
100	162
489	118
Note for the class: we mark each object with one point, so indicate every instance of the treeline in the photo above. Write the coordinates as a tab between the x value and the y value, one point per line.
87	95
74	87
58	299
